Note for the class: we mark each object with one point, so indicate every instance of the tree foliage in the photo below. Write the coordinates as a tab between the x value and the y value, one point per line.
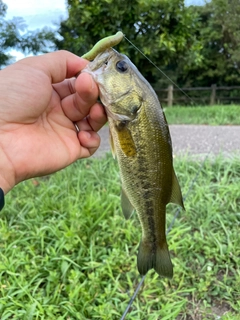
219	33
14	35
162	29
196	45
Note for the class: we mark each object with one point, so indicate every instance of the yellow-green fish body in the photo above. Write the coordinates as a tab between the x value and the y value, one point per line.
141	141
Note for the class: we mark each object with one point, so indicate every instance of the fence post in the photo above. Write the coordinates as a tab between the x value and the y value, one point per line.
170	95
213	95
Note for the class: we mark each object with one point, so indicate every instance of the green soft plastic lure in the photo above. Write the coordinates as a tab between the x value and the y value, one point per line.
103	45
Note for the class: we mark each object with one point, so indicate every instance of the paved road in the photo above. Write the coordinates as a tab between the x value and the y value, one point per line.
194	140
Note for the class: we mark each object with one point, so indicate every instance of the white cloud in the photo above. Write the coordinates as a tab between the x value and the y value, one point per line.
37	13
33	6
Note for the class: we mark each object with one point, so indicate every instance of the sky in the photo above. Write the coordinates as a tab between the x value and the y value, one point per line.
37	13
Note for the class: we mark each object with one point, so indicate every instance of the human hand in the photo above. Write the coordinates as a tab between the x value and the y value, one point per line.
39	104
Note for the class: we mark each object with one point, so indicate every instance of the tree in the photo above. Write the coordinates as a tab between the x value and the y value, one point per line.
14	34
164	30
219	33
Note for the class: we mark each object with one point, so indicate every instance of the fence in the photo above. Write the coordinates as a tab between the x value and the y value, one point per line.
211	98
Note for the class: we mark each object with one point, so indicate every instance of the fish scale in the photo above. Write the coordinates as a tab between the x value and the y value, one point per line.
141	142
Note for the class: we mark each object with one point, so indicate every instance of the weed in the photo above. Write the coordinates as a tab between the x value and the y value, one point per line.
66	251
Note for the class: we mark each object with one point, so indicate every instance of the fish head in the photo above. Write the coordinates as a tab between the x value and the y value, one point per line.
119	84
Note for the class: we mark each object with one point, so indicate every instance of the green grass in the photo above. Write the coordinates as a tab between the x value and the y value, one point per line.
212	115
66	251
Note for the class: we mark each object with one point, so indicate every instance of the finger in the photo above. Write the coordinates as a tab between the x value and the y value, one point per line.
84	125
65	88
57	65
90	141
97	117
77	106
95	120
85	86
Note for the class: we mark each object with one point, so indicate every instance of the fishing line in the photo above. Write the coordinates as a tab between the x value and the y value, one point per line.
184	198
194	180
160	70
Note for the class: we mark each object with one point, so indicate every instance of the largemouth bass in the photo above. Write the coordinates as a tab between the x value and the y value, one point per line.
141	142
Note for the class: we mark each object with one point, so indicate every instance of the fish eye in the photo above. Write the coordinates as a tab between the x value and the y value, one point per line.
122	66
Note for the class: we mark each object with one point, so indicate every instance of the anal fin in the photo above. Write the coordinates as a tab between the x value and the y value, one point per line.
127	207
176	196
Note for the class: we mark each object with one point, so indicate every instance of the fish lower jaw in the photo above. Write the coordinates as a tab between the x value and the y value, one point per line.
94	73
116	116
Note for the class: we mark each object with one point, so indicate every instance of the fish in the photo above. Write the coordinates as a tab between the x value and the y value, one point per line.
141	142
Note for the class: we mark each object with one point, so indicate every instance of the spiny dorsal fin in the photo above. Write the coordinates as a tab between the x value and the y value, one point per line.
176	196
127	207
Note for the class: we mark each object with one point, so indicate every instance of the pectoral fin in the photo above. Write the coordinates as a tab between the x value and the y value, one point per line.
112	144
126	142
127	207
176	196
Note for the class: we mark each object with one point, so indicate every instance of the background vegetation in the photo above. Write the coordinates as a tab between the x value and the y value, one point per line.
210	115
66	251
195	45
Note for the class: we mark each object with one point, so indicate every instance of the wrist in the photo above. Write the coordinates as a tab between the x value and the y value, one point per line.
7	177
4	185
6	181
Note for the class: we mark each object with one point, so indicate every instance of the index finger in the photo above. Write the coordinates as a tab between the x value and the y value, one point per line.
57	65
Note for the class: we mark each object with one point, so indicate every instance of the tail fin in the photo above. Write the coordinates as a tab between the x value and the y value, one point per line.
157	258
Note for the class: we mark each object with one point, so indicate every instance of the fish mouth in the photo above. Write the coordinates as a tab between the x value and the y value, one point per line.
100	63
